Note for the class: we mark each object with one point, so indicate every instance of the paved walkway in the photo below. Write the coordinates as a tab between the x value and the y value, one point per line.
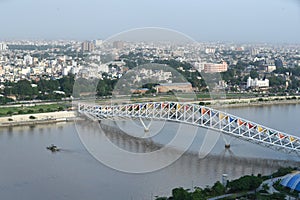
270	183
40	118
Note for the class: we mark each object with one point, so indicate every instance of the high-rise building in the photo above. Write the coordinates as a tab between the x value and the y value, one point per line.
254	51
98	43
3	47
278	62
87	46
28	60
215	68
118	44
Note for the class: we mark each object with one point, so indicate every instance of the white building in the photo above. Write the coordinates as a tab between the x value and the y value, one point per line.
28	60
25	71
75	70
103	68
65	71
3	47
48	70
199	66
271	68
256	83
210	50
98	43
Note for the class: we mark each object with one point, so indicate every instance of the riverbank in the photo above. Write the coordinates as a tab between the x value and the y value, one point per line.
38	118
250	102
61	116
254	104
245	187
214	103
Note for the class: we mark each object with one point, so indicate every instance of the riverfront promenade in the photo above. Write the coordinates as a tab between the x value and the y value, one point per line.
37	118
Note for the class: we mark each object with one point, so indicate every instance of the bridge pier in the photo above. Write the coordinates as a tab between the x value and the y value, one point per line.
146	128
227	143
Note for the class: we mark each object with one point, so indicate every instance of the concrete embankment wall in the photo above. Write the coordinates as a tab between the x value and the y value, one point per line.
39	118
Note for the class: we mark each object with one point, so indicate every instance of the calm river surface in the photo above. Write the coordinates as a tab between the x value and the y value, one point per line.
28	171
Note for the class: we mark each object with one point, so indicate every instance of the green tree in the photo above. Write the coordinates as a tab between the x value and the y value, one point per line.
23	89
5	100
254	74
241	65
105	87
276	81
265	187
8	90
199	194
281	70
9	112
67	83
282	171
277	196
32	117
244	183
60	108
30	111
294	83
161	198
48	85
20	112
218	189
181	194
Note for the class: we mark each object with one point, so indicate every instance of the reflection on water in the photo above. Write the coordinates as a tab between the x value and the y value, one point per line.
29	171
214	165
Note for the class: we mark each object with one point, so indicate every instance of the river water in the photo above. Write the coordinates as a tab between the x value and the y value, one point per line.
29	171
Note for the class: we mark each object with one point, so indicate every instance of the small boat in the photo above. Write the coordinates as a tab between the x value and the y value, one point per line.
53	148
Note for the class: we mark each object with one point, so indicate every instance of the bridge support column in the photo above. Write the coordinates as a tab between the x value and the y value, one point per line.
146	128
227	143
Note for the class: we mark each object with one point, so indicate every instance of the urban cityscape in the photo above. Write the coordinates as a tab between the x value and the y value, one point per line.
150	101
246	68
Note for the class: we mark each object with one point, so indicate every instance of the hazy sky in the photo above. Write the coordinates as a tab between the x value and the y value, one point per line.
203	20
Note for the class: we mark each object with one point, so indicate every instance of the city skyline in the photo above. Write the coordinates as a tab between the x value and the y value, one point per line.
270	21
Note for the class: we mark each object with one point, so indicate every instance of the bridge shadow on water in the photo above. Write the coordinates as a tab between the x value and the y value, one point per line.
226	161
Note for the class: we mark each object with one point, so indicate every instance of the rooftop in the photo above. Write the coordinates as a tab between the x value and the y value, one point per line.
292	181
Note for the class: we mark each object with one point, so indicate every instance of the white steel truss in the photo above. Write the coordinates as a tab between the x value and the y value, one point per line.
198	116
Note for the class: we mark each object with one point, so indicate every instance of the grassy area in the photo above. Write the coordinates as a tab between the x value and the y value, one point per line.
144	99
177	97
8	111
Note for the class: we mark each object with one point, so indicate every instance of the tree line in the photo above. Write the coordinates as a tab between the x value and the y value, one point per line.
44	89
246	184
